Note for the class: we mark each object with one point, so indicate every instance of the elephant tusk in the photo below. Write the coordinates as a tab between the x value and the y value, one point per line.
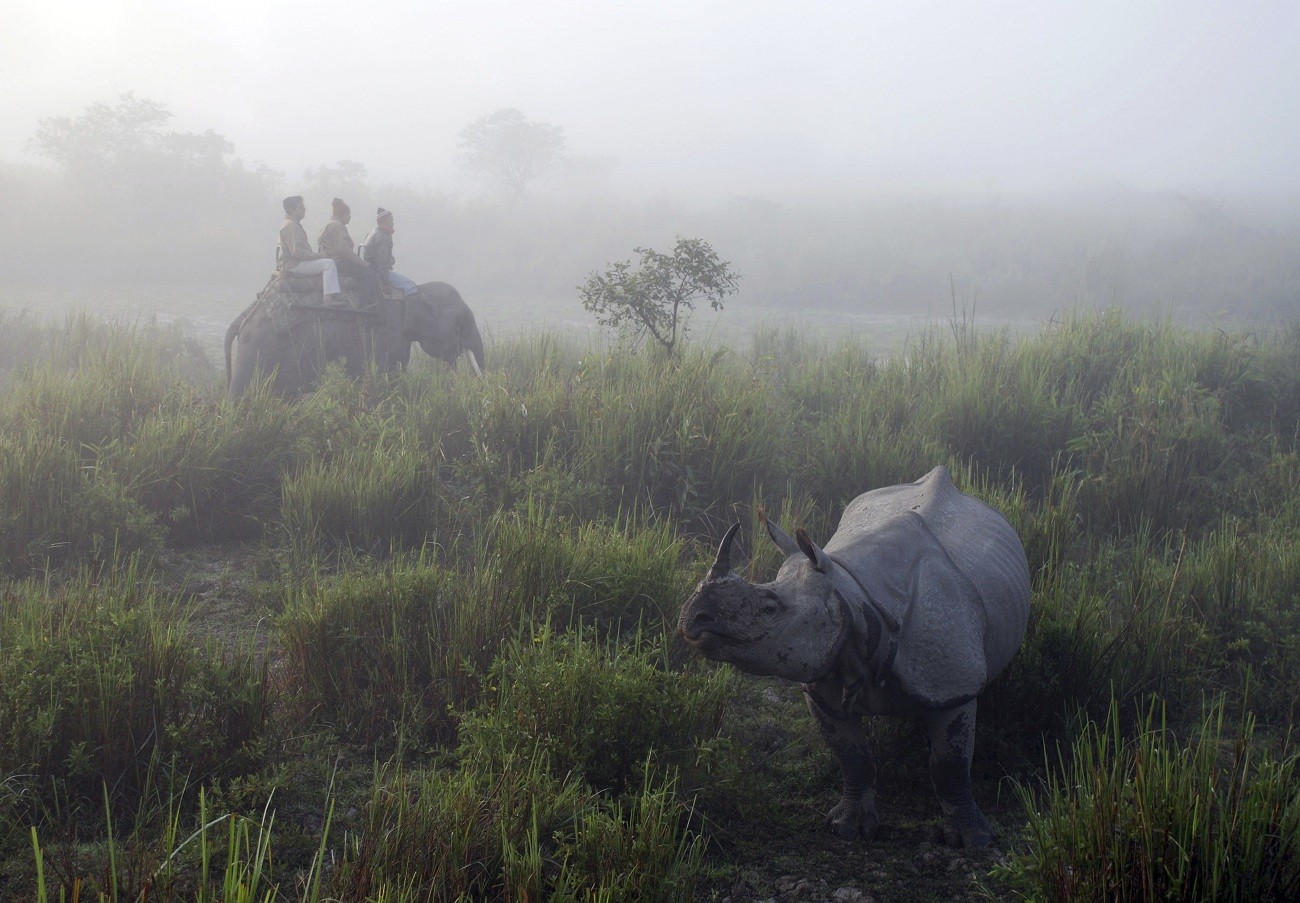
473	362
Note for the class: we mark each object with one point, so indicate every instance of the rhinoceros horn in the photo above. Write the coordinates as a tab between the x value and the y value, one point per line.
722	565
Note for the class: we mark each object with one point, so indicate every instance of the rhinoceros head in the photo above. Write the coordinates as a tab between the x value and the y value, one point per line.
793	627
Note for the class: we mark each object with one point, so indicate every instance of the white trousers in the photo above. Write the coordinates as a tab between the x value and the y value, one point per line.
323	266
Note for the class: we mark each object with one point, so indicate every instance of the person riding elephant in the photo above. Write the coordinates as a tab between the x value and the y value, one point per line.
377	250
294	357
294	256
336	242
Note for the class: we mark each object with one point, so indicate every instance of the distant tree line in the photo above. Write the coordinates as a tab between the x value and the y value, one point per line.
127	199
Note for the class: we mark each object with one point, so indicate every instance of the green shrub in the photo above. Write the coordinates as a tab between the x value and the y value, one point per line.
1049	525
1242	585
103	446
54	509
678	437
615	576
371	499
377	654
989	399
1215	818
182	854
99	684
211	470
1100	629
598	710
517	833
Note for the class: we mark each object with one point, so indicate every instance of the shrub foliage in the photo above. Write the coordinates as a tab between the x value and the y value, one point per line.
479	580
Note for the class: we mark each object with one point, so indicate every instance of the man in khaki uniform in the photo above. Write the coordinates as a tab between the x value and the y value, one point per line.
294	255
335	241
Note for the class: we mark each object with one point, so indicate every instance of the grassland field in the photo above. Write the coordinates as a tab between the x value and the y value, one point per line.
204	312
413	638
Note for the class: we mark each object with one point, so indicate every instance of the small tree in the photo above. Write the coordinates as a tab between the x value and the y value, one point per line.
658	297
508	149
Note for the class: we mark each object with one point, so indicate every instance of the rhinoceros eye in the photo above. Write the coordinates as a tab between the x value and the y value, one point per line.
770	604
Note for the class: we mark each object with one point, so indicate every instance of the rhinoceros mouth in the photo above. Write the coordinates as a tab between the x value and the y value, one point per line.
707	640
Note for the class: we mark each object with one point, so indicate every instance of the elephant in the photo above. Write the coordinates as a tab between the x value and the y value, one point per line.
437	317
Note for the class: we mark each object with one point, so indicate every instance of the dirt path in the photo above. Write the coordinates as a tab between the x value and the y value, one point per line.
221	584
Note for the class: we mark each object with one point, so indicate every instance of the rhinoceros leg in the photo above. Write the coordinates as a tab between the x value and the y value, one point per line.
952	743
855	814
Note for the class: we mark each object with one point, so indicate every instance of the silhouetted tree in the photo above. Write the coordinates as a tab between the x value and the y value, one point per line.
509	150
658	297
346	180
145	202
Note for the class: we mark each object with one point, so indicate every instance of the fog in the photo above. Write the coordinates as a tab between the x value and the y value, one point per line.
852	156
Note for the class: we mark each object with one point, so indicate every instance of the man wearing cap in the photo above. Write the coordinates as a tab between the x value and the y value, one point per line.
294	256
378	251
336	242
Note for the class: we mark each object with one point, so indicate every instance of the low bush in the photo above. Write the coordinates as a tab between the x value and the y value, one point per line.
54	509
1214	818
100	686
208	470
434	522
377	654
602	711
372	499
384	652
517	832
614	576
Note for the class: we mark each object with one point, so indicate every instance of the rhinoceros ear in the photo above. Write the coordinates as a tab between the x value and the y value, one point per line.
779	536
809	548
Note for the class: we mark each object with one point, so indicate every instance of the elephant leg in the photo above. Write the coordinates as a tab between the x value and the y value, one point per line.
855	814
952	743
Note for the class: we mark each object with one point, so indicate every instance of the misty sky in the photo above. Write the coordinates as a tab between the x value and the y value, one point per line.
755	97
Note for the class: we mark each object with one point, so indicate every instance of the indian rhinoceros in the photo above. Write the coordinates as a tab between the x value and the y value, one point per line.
918	601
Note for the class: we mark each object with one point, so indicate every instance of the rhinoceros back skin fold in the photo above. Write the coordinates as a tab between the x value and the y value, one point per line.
948	568
919	600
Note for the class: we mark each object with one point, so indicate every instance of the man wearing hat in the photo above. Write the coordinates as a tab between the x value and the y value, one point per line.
378	251
336	242
294	256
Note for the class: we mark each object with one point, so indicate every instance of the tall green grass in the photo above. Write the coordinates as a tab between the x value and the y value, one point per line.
602	710
1154	818
518	833
482	576
195	855
398	651
1163	428
99	684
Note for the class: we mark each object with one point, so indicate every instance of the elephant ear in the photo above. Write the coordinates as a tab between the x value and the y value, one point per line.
417	317
779	536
